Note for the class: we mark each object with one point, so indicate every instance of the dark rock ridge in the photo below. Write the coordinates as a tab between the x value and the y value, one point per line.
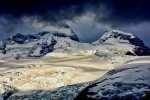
19	38
129	82
73	37
48	48
142	51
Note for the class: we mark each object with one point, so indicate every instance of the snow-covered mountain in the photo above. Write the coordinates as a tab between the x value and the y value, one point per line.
24	46
128	82
126	41
65	42
114	37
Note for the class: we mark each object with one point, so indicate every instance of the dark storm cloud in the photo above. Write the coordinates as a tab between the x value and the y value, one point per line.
54	10
125	12
113	13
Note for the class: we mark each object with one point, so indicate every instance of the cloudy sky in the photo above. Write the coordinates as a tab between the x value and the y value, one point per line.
88	18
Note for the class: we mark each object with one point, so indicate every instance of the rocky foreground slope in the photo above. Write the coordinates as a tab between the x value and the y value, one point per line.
128	82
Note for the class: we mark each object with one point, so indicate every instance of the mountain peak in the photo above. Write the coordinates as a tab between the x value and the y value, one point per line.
117	33
116	37
37	45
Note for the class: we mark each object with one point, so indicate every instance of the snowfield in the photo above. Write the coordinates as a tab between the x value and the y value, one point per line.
48	81
127	82
27	78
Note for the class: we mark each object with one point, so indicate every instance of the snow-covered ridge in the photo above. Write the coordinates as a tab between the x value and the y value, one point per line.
116	36
123	40
25	46
61	30
38	45
128	82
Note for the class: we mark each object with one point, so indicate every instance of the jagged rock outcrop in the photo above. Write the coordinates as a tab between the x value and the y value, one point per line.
19	38
142	50
118	38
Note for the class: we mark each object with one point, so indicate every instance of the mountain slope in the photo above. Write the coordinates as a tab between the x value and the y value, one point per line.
127	41
26	46
128	82
65	42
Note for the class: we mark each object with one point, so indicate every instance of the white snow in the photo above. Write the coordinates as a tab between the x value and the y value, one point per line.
109	37
111	32
135	75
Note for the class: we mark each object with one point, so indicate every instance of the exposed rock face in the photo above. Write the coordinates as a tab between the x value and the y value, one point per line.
73	37
48	48
116	37
142	50
129	82
2	45
19	38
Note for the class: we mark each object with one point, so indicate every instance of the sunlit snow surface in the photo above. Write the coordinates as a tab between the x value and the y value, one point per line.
128	82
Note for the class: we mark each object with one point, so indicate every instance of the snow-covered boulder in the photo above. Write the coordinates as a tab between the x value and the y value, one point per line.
124	40
128	82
